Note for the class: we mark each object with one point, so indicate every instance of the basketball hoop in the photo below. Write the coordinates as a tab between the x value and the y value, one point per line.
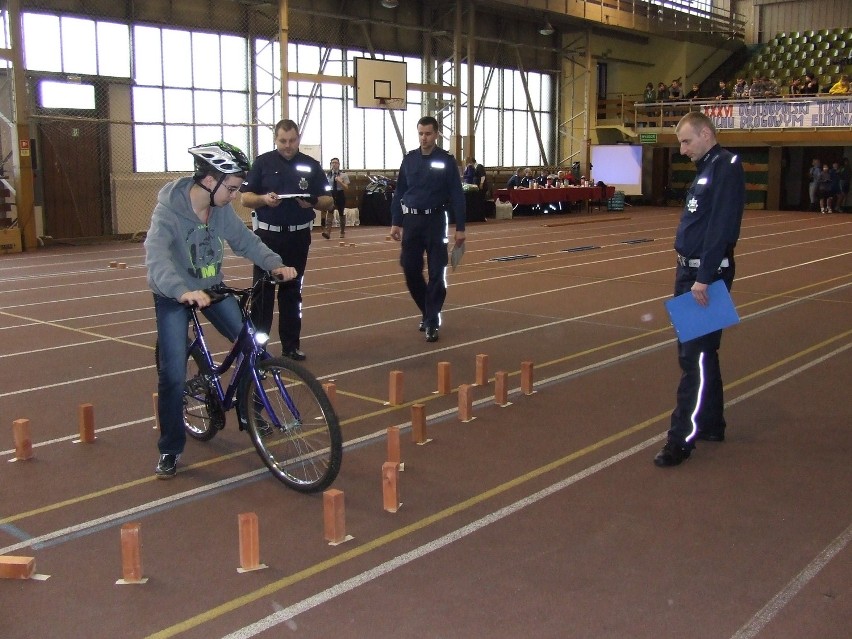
395	104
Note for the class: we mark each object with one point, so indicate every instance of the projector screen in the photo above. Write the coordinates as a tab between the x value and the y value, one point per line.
618	165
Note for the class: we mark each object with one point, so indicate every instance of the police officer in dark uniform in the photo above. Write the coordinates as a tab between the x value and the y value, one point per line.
284	225
427	189
705	240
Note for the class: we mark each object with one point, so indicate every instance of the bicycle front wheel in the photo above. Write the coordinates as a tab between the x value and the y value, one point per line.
298	436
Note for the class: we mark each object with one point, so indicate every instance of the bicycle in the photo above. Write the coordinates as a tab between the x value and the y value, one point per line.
285	410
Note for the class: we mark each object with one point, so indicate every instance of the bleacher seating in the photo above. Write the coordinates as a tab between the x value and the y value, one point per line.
789	55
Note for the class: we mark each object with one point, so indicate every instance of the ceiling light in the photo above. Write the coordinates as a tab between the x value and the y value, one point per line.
390	4
547	29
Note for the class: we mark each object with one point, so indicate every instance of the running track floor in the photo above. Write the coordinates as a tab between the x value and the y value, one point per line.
544	518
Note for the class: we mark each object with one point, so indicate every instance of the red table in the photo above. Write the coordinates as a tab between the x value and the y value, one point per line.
532	197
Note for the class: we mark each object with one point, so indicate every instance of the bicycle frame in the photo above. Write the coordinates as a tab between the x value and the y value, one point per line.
245	352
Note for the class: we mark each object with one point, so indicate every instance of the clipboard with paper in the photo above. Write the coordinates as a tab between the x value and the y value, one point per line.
456	255
691	320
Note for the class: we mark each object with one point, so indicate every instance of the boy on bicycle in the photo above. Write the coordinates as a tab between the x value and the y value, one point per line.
184	251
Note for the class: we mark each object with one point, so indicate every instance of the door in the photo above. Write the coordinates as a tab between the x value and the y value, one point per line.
74	186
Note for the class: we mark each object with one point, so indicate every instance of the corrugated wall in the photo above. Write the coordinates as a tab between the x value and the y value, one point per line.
774	16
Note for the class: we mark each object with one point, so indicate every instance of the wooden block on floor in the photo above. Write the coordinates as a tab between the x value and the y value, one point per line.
444	382
481	369
390	487
249	542
131	555
23	442
395	388
334	517
501	388
394	448
330	389
14	567
418	424
527	378
86	418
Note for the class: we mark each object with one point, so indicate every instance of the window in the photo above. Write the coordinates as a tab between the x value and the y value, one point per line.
76	46
196	93
66	95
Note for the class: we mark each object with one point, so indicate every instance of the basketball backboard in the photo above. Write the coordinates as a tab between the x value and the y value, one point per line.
380	84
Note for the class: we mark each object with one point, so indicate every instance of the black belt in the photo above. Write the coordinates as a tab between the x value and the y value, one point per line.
695	262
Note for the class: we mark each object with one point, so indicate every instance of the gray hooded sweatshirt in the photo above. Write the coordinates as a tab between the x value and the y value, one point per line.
183	255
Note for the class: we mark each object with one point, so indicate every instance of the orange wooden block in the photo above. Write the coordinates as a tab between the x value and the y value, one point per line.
12	567
113	264
156	411
23	443
390	486
330	389
444	384
418	423
131	553
86	417
465	403
481	370
501	388
334	516
249	541
527	378
394	451
122	265
395	388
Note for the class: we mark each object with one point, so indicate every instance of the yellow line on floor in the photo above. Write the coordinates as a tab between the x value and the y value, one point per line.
358	551
75	330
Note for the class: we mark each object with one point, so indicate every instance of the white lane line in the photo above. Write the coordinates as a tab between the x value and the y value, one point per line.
777	603
397	562
384	568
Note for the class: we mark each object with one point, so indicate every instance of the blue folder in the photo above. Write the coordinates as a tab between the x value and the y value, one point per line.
692	320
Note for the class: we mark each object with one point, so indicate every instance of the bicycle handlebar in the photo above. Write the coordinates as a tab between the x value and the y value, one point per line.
220	292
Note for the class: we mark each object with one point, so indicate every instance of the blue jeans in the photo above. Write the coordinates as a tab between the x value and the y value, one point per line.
172	331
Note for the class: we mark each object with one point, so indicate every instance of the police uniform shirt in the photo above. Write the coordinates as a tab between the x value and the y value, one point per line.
273	173
429	182
710	223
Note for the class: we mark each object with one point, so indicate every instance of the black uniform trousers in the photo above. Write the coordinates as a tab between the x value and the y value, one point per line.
700	398
292	247
425	234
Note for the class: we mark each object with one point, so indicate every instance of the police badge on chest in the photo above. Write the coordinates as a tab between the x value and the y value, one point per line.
303	184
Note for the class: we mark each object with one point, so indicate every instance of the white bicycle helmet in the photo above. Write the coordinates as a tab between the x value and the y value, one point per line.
224	157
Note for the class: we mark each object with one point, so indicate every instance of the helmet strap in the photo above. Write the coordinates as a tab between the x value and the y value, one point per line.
212	191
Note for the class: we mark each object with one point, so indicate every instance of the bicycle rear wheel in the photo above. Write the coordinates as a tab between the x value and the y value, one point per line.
203	415
300	442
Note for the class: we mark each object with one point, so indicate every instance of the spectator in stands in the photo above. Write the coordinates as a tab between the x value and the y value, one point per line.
835	185
724	92
770	87
813	180
649	95
809	85
824	191
755	89
694	93
841	87
843	175
662	92
515	181
675	90
740	90
796	86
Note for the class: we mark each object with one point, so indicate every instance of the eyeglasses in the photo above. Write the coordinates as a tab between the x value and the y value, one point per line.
232	189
